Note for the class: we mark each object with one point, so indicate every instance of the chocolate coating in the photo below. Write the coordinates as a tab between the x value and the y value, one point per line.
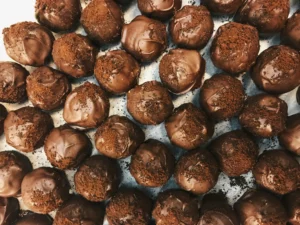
3	115
292	205
149	103
264	115
235	47
12	82
87	106
191	27
28	43
290	34
197	171
118	137
182	70
66	148
26	128
144	38
188	127
9	210
45	189
174	207
117	71
97	178
34	219
222	6
222	97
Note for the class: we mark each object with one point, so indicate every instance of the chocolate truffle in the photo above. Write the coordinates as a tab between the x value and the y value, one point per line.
188	127
12	82
45	189
277	171
182	70
222	6
174	207
47	88
152	164
144	38
75	55
34	219
66	148
290	35
97	178
222	97
26	128
118	137
9	210
102	20
277	70
149	103
3	115
197	171
28	43
268	16
117	72
292	205
191	27
298	95
264	115
129	207
235	47
78	211
87	106
260	208
58	15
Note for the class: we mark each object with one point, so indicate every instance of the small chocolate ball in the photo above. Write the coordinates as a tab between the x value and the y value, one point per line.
45	189
235	47
3	115
9	210
28	43
191	27
222	97
26	128
144	38
117	72
292	205
149	103
189	127
34	219
222	6
197	171
118	137
182	70
290	35
264	115
87	106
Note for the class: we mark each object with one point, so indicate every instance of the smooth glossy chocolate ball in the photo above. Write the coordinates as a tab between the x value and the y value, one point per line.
291	203
9	210
3	115
222	6
290	35
34	219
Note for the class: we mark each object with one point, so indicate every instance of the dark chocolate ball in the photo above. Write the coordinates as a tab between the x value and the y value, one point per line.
222	6
290	34
182	70
222	97
264	115
28	43
189	127
118	137
291	203
149	103
3	115
26	128
144	38
9	210
235	47
34	219
191	27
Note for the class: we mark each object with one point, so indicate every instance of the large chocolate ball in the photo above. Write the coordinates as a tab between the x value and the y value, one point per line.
222	6
290	34
292	205
34	219
9	210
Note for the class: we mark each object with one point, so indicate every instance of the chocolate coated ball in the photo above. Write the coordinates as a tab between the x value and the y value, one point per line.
290	34
222	6
292	205
34	219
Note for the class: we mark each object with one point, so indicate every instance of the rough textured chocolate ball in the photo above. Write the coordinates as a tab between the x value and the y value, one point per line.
222	6
34	219
9	210
3	115
292	206
290	34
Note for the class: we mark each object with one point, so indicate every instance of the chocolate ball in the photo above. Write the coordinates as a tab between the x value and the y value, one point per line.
87	106
298	95
188	127
144	38
118	137
26	128
34	219
97	178
222	6
182	70
66	148
152	164
149	103
45	189
290	34
277	70
102	20
235	47
222	97
28	43
47	88
75	55
264	115
12	82
9	210
191	27
129	207
3	115
176	207
197	171
292	205
117	72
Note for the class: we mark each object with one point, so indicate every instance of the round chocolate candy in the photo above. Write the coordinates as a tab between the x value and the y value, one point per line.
292	205
222	6
34	219
290	34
